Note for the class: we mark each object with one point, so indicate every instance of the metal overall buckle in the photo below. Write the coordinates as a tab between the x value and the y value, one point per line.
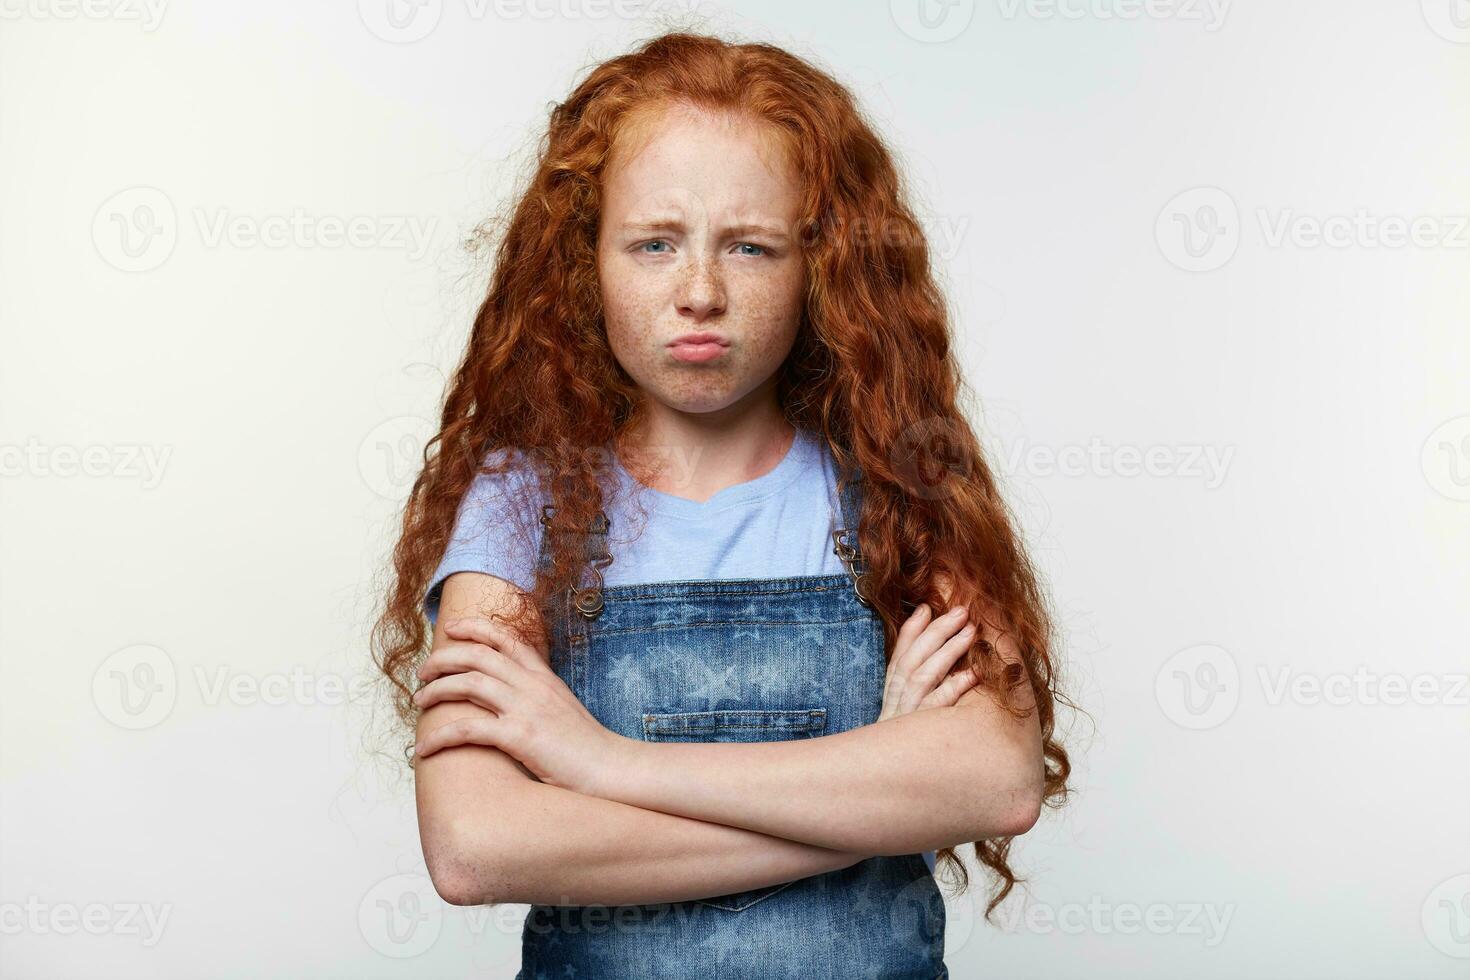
587	601
848	554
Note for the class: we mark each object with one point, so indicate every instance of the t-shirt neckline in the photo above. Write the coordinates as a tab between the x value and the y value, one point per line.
773	481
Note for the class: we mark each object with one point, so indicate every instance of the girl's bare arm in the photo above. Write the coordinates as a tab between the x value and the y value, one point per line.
918	781
491	833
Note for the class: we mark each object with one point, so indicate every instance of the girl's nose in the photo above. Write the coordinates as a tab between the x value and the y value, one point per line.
702	293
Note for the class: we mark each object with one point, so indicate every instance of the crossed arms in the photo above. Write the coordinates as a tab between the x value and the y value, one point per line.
678	821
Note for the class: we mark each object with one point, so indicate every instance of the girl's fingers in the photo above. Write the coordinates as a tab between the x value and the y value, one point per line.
462	731
913	626
895	677
956	684
926	678
454	658
472	686
928	639
940	661
497	635
904	687
934	636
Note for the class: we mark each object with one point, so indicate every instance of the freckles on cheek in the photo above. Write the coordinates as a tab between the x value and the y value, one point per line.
770	315
632	323
628	312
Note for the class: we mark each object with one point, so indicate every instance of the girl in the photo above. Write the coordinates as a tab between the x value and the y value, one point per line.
701	477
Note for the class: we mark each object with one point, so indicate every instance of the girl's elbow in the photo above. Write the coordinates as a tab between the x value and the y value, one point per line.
1011	808
465	868
1024	813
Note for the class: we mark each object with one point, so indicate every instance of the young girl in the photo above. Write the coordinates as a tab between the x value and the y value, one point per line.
701	478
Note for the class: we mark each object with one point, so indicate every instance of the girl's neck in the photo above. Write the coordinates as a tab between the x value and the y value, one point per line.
697	456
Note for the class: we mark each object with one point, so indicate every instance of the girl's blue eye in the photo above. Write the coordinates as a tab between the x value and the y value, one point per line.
647	244
759	249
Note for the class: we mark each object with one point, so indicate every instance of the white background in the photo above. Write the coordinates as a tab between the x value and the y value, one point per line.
1225	826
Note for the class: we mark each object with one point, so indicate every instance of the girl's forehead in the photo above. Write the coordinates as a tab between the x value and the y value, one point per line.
652	140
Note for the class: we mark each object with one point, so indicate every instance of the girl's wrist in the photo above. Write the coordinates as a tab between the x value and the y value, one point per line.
618	769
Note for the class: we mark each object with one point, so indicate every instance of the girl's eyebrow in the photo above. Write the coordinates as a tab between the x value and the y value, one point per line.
654	225
755	228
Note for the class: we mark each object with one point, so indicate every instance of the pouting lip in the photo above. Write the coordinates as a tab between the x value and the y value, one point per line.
703	337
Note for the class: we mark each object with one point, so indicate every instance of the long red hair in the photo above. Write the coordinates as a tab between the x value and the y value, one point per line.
872	371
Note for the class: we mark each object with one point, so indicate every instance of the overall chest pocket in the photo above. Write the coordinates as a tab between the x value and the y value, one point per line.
736	725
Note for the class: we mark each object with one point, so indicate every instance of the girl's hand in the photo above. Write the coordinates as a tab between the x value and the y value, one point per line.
538	720
918	671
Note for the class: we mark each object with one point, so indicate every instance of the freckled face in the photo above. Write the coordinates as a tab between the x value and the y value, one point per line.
696	238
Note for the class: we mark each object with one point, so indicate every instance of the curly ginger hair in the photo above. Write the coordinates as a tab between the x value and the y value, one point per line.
872	371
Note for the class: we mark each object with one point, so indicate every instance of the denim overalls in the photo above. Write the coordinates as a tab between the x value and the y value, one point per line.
742	660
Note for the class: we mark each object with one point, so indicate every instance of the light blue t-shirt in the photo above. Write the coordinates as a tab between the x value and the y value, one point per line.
778	525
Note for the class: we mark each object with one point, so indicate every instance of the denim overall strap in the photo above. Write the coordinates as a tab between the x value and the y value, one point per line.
845	538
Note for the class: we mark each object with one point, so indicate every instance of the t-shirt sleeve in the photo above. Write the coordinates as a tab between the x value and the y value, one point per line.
497	531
